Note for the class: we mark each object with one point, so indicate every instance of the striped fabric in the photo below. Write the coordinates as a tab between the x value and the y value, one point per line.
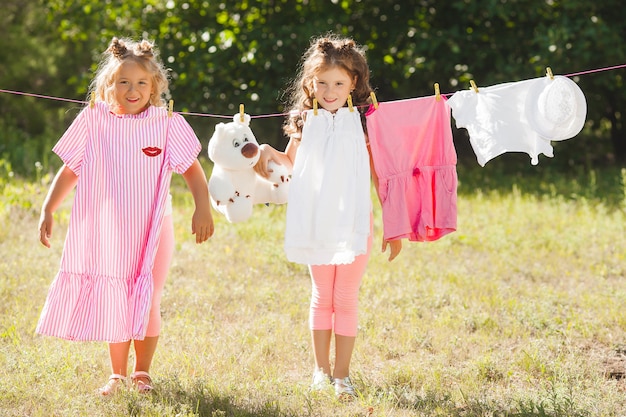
124	166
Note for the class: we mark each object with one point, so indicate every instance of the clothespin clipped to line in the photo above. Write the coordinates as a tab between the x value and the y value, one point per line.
170	108
241	118
314	107
374	101
92	100
437	92
473	84
549	73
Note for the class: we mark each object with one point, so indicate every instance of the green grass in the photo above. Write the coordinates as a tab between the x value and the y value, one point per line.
518	313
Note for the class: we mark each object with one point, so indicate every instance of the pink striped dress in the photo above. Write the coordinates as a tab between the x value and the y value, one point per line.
124	165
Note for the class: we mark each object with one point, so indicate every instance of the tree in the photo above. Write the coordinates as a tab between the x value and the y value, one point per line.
246	51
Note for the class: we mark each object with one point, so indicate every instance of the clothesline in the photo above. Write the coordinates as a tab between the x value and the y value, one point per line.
219	116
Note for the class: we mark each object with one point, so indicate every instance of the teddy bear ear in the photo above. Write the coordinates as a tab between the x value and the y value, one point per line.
217	132
215	137
237	118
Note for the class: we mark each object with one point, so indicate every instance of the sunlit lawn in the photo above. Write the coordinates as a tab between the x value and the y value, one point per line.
520	312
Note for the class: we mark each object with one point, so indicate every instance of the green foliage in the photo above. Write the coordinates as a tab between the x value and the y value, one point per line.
222	54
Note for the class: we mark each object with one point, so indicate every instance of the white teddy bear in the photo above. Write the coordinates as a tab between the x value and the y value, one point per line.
234	186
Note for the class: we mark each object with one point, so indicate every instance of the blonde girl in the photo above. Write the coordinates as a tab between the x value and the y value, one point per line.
329	212
119	155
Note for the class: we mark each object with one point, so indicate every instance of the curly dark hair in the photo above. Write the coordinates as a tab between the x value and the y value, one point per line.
326	52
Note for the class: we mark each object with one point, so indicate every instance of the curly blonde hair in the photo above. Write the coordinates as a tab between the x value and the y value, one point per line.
324	53
119	51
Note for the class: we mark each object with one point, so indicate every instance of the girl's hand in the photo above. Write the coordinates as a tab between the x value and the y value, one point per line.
46	222
64	181
202	223
202	219
261	166
395	247
280	158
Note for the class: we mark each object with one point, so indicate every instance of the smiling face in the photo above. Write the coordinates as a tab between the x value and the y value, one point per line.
133	87
332	87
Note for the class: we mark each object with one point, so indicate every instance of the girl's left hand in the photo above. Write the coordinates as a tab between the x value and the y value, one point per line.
202	219
395	247
202	224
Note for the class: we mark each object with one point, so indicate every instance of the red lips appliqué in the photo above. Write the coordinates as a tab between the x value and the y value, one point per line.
152	151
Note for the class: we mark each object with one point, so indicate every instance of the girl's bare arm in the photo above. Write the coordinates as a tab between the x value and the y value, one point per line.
202	220
64	181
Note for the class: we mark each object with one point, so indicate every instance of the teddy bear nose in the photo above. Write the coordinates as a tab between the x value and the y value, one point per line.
249	150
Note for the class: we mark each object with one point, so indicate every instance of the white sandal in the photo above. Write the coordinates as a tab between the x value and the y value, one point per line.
115	382
142	387
344	390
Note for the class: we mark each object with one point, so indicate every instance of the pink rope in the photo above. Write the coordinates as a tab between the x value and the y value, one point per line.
596	70
221	116
218	116
41	96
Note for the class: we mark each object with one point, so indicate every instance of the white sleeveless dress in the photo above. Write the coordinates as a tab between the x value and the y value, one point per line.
329	204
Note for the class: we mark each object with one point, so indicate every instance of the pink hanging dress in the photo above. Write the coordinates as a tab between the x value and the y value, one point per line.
415	161
124	164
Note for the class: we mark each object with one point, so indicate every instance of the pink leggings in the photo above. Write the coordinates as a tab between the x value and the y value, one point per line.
159	273
335	290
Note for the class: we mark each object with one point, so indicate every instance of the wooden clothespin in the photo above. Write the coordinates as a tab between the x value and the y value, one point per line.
350	106
241	118
374	101
314	107
473	84
549	73
92	100
170	108
437	92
